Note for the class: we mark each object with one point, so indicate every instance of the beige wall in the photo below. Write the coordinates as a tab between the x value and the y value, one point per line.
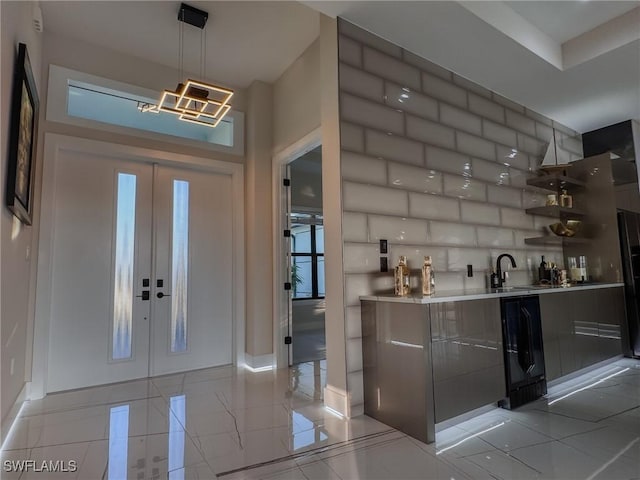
296	99
18	243
259	235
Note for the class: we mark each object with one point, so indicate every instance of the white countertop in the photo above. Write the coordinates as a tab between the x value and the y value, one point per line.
483	293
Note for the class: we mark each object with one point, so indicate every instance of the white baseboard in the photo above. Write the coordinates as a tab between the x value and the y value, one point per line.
260	361
10	418
337	400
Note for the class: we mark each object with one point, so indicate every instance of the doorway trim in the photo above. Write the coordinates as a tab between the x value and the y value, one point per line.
280	308
53	145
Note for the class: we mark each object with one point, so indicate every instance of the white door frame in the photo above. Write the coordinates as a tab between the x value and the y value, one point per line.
53	145
280	307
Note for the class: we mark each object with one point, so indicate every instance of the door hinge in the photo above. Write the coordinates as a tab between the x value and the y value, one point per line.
287	286
286	182
287	233
287	340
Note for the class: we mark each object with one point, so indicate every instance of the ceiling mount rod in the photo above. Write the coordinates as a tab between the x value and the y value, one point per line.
192	16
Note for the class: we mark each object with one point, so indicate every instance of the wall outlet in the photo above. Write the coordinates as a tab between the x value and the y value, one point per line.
384	265
12	366
384	246
469	270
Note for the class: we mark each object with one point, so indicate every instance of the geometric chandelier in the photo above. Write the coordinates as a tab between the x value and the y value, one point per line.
194	101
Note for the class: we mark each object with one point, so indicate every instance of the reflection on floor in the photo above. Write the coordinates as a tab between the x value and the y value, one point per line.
234	424
309	345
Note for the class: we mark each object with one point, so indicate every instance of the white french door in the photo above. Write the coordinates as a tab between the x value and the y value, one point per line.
141	270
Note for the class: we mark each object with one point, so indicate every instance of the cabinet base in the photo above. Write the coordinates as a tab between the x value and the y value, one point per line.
525	394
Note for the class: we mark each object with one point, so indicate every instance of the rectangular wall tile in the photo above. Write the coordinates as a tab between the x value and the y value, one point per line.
354	80
358	284
369	39
394	147
495	237
370	114
371	199
503	195
354	227
459	258
471	86
359	258
479	280
355	384
532	199
507	103
521	123
349	51
465	188
351	137
475	212
460	119
426	66
513	217
446	281
444	90
452	234
410	101
354	355
486	108
500	134
362	168
531	145
414	178
391	68
512	156
475	146
354	322
397	230
415	256
492	172
430	132
518	178
447	161
433	206
544	132
538	117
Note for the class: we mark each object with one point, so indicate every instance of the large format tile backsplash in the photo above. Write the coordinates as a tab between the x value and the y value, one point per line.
437	165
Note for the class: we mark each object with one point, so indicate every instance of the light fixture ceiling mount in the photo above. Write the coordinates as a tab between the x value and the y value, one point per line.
194	101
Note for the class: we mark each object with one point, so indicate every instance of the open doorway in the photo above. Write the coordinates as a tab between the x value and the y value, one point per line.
306	259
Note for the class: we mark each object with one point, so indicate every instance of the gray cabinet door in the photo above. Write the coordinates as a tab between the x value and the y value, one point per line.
468	366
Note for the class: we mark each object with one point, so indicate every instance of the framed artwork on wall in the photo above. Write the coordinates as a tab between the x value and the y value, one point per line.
22	139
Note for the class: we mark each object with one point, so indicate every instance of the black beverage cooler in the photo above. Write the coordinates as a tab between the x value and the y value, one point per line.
523	352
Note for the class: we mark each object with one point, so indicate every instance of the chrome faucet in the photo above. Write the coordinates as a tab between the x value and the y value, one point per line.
501	278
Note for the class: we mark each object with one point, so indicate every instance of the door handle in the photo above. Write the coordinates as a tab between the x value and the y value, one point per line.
144	296
161	295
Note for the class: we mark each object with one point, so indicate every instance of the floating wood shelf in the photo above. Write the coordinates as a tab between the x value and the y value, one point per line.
556	211
556	240
555	182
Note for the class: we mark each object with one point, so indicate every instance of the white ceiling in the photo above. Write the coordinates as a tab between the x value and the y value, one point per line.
586	82
577	62
245	41
563	20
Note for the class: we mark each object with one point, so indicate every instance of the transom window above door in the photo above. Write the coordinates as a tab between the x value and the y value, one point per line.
85	100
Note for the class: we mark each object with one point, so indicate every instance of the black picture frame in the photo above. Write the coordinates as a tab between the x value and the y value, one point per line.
23	134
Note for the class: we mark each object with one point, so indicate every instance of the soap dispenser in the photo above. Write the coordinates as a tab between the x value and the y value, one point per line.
401	277
428	277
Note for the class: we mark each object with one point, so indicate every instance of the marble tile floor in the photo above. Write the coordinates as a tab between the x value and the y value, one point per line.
235	424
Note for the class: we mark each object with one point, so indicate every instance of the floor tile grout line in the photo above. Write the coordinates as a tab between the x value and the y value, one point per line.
307	452
85	407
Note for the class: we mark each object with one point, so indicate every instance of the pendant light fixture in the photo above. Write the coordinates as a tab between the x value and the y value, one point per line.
194	101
